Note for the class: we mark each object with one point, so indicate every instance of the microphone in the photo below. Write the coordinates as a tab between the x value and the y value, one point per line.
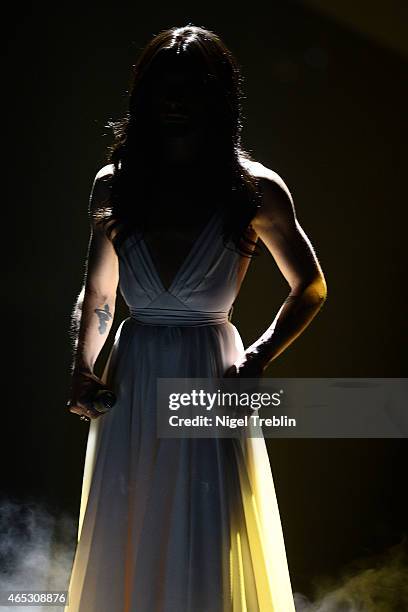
103	400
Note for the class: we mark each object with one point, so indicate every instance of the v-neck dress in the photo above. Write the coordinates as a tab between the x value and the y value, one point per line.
175	524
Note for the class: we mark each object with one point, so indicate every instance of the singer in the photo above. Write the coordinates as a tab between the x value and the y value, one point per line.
181	524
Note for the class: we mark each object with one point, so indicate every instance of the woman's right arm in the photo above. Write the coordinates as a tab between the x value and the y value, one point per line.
94	310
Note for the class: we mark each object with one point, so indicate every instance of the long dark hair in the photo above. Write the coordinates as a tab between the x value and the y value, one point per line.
133	156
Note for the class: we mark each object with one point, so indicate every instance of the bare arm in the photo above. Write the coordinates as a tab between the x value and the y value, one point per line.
277	226
95	306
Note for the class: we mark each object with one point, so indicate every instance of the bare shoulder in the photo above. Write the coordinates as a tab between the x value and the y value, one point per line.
105	173
101	186
99	209
276	199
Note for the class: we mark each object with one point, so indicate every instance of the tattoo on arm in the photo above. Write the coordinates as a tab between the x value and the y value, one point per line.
103	315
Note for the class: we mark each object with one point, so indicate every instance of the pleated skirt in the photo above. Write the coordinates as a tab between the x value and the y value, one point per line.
167	524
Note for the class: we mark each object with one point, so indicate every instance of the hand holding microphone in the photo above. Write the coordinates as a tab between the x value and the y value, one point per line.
90	397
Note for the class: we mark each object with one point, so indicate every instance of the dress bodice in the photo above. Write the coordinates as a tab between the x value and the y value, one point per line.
202	291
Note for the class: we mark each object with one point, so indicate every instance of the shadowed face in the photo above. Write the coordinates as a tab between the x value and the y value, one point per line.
177	97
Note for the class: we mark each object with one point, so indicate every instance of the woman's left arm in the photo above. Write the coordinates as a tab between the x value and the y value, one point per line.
278	228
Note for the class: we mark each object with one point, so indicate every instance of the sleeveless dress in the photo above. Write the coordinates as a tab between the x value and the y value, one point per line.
166	524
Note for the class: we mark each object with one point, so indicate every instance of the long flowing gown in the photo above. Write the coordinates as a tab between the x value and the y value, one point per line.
166	524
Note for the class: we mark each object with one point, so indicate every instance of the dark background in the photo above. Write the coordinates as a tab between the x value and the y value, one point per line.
324	108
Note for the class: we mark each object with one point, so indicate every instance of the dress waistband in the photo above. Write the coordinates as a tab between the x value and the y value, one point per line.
166	316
